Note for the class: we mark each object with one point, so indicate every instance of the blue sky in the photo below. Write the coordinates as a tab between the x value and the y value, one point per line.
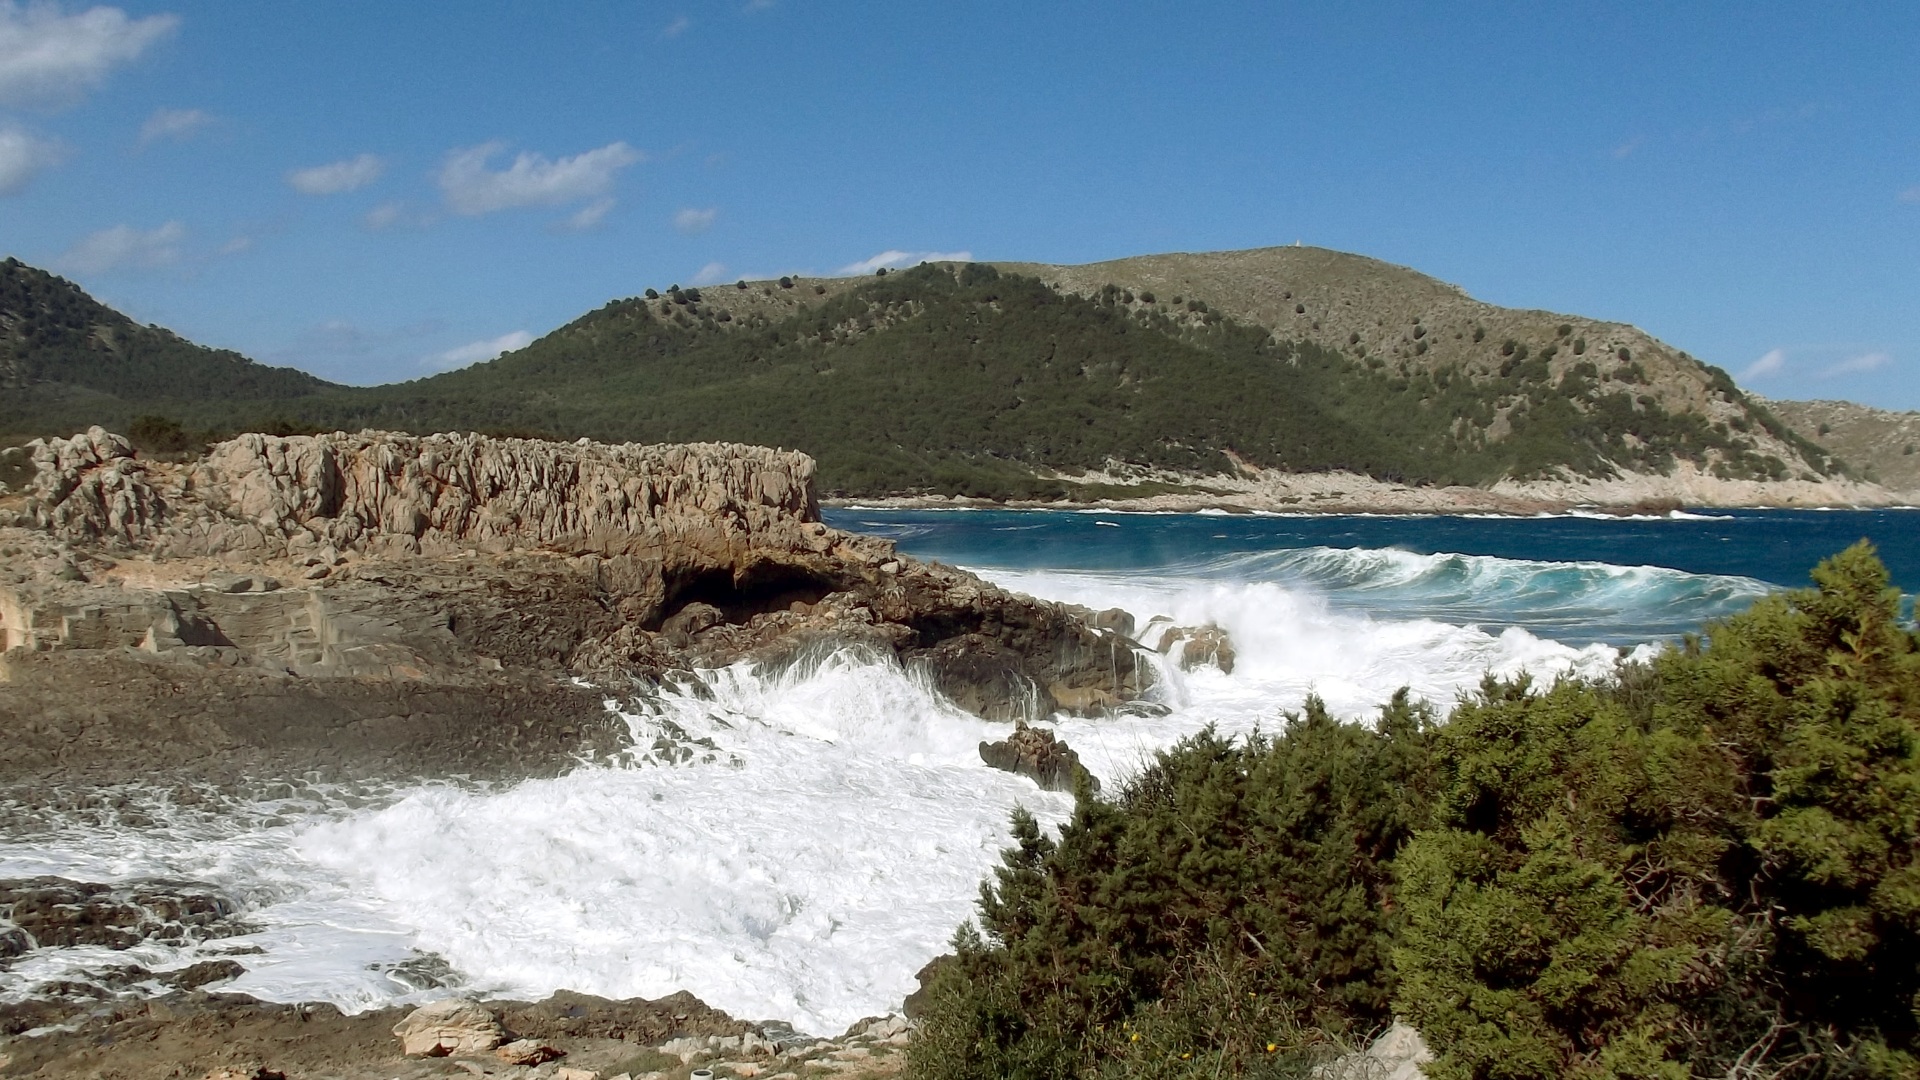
373	191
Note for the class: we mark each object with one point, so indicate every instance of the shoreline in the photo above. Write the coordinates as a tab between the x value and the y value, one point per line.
1338	494
225	1036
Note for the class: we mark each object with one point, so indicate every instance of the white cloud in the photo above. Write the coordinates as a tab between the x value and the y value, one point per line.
1911	195
128	248
893	258
475	352
49	58
22	157
677	27
1871	361
1771	363
691	221
1626	149
384	216
532	180
237	245
177	125
710	273
336	177
588	217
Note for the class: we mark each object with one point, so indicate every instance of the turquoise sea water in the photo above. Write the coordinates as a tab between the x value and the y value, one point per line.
1575	579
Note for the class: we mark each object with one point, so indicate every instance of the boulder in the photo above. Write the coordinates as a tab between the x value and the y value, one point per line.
1192	646
1117	620
204	973
449	1026
692	619
527	1052
918	1003
1039	756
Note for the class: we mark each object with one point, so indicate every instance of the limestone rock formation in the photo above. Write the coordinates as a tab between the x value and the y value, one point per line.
441	599
450	1026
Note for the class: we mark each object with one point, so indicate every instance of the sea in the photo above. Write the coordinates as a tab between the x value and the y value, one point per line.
831	828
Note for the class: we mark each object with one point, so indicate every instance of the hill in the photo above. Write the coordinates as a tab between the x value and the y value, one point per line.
1884	445
1175	372
1379	313
67	360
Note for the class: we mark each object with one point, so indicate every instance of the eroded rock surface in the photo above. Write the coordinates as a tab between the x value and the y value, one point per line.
1040	756
195	1034
388	603
49	911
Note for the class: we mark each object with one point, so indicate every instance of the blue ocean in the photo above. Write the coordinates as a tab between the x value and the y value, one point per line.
1574	579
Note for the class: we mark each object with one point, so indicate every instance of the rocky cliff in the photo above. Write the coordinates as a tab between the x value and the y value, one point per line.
450	603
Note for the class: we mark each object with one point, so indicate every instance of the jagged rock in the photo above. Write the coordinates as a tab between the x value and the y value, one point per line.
204	973
1118	620
568	1015
921	1000
1191	646
449	1026
468	578
982	676
54	912
1040	756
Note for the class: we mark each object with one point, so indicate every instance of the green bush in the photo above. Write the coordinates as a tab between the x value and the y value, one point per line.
162	436
1707	869
1232	897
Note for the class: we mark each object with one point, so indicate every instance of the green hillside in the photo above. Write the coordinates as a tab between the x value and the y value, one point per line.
67	360
965	379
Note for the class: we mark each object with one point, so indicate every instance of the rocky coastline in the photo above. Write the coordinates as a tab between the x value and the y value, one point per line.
372	608
381	604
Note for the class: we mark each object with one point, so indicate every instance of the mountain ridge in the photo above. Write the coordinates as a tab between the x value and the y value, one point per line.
1040	381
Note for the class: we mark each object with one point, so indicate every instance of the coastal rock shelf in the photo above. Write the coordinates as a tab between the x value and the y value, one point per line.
378	603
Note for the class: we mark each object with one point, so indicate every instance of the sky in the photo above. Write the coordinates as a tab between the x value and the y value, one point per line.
374	191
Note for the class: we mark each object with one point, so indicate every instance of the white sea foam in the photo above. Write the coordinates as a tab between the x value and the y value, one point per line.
791	844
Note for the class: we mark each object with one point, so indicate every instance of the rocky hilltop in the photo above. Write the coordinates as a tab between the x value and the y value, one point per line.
388	604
